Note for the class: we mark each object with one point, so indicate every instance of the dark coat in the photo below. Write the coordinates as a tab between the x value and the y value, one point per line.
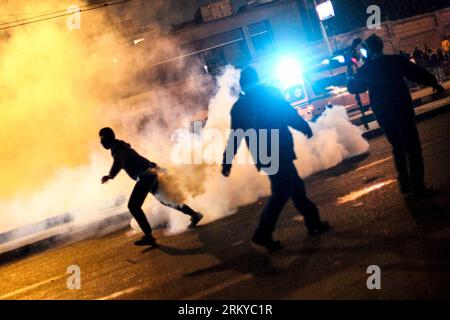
128	159
264	107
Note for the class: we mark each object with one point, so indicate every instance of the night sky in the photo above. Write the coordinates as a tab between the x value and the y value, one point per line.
351	14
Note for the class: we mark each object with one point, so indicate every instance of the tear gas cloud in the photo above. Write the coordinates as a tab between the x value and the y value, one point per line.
335	139
59	86
63	85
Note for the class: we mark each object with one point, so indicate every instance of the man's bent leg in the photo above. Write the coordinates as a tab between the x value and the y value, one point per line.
185	209
281	190
195	216
306	207
135	203
400	159
303	204
415	159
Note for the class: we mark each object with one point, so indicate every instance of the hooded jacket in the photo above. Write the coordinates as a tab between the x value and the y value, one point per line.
128	159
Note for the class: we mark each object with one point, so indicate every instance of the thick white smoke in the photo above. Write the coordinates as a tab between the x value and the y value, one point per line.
78	191
335	139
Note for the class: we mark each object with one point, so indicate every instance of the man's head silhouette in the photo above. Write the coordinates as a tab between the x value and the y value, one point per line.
249	79
356	42
107	137
374	45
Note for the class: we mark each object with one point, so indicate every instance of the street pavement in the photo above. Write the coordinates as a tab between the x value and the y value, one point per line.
372	225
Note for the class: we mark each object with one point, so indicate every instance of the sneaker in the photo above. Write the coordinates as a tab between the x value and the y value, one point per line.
321	228
266	241
195	219
146	241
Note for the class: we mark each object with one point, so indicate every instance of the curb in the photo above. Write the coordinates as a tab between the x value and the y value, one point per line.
29	229
101	227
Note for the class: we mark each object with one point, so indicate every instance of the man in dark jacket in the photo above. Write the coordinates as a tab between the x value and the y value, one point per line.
260	111
146	174
390	99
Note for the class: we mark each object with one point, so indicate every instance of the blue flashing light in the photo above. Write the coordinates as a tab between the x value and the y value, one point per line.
289	72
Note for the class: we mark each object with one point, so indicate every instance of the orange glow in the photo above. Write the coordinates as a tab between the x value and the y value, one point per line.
47	98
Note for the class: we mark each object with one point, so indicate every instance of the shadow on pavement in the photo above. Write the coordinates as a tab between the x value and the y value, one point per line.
306	261
344	167
428	214
175	251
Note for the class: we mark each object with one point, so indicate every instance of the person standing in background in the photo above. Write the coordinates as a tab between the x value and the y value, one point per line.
384	77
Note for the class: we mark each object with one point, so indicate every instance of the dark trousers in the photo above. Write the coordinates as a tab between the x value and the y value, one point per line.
287	184
407	152
148	184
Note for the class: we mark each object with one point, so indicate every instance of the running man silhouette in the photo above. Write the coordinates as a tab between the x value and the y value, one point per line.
262	108
145	173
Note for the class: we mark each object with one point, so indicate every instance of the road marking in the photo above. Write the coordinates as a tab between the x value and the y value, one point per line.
372	164
6	296
220	287
362	192
119	293
199	295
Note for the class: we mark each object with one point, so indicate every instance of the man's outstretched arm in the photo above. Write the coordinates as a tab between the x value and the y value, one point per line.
298	123
419	75
294	120
290	115
115	169
357	84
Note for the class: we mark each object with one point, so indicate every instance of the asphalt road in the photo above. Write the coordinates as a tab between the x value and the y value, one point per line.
372	225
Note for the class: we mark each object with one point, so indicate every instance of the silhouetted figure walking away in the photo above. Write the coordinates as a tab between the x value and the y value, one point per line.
145	173
263	107
390	99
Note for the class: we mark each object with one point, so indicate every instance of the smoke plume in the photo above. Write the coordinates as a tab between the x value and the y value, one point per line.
335	139
60	86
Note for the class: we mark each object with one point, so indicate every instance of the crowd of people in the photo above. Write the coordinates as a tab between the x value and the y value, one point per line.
435	60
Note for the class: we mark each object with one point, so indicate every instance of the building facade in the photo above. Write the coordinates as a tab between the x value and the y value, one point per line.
259	35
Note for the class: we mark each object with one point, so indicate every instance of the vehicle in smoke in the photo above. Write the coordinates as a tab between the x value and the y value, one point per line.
310	90
319	86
